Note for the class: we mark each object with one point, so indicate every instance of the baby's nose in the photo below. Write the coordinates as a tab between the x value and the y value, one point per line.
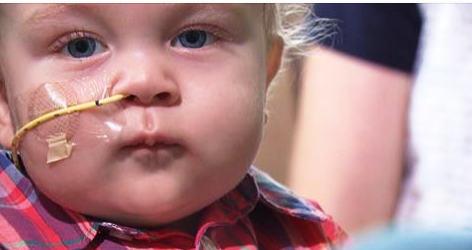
147	80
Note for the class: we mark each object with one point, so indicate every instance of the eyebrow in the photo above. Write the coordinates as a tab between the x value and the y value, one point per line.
234	8
49	11
52	15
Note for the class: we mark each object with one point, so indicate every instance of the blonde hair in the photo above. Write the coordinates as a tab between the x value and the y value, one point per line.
300	29
298	26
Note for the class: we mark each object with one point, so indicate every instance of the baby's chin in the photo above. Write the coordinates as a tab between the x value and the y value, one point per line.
146	209
148	214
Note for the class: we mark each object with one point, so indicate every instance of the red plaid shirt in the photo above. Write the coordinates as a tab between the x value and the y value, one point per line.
258	214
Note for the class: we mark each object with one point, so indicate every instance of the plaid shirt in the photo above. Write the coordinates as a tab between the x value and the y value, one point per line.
258	214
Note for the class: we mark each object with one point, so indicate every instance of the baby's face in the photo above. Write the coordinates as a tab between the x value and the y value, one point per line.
196	76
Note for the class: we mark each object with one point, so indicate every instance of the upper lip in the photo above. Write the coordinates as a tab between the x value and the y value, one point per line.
150	140
147	129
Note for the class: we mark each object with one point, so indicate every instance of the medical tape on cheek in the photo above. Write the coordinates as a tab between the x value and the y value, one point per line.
56	132
54	114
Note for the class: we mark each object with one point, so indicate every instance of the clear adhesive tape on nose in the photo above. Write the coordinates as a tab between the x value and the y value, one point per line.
55	114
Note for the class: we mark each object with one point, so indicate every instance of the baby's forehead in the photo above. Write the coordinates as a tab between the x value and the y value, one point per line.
31	12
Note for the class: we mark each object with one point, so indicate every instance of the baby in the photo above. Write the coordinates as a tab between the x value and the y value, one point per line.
135	126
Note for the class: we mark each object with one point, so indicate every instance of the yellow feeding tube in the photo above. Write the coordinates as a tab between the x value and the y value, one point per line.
54	114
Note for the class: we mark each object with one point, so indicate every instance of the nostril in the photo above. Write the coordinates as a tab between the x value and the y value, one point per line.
164	96
130	98
168	98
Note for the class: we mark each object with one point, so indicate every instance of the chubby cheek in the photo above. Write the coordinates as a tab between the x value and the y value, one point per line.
88	134
73	182
73	176
226	122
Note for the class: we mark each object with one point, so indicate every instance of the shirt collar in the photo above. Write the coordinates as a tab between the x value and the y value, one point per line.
284	200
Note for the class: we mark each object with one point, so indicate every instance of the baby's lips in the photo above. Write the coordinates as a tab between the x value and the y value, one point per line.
149	139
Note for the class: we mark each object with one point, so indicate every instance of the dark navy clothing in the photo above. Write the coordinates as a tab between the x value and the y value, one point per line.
387	34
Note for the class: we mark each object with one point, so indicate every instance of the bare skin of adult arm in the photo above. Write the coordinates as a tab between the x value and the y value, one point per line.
350	138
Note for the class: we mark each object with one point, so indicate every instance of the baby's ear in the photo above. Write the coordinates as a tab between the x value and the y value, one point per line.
6	125
274	59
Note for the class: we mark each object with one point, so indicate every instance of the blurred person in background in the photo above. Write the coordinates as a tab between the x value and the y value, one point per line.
384	131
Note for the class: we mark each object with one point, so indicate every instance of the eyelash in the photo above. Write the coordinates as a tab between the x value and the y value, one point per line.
58	44
219	33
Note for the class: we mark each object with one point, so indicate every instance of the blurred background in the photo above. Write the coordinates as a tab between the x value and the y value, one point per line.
274	154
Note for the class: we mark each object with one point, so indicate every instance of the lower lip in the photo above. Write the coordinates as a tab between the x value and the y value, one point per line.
156	155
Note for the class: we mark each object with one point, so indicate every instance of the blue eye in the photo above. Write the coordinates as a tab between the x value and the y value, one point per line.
82	47
193	39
